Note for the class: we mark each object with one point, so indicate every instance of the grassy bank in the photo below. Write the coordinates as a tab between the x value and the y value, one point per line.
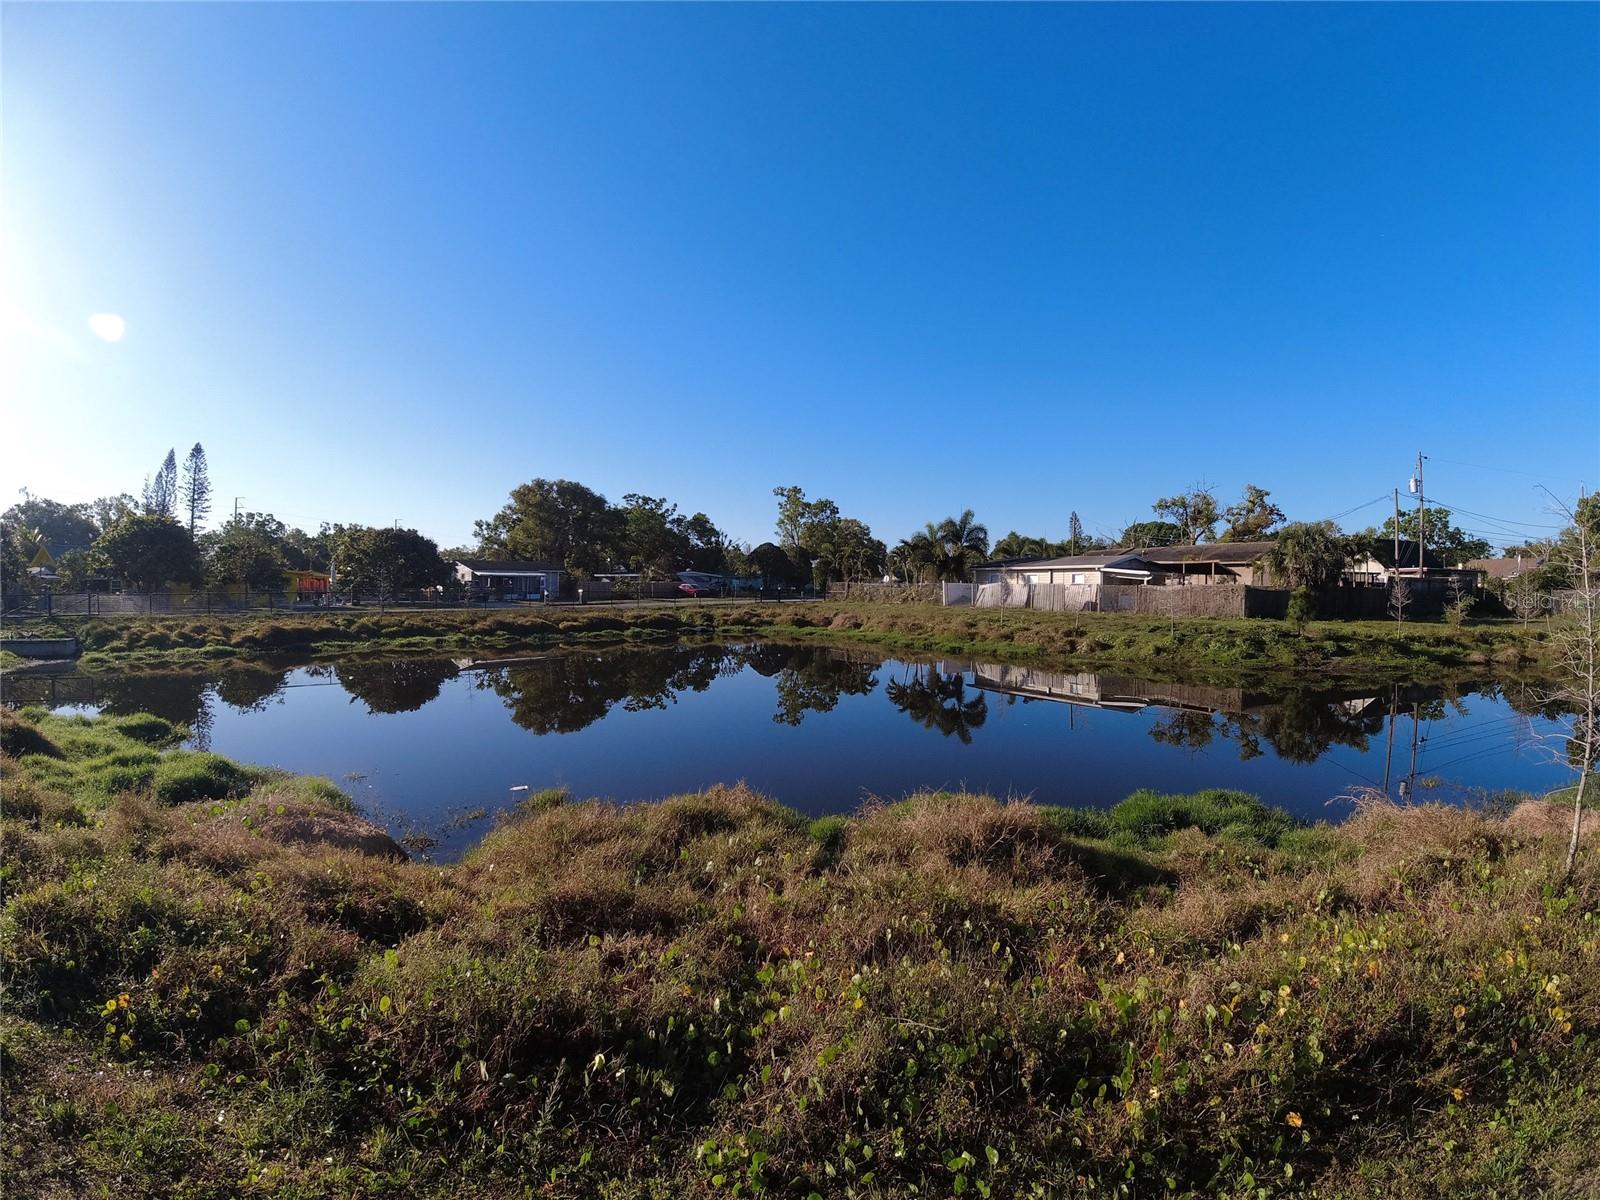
236	987
1103	639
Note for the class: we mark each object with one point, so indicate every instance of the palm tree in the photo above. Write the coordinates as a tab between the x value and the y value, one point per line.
1309	554
961	542
939	701
1015	545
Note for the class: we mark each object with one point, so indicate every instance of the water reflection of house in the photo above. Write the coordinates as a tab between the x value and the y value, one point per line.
1097	690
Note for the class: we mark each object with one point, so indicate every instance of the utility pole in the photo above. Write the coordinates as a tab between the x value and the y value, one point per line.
1422	522
1388	756
1397	531
236	500
1411	785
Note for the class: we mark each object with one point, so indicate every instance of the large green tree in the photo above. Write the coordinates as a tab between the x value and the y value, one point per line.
15	582
653	540
1194	513
248	550
149	550
1150	533
1450	545
51	522
1252	517
385	560
804	524
304	551
108	510
194	492
772	563
709	548
160	497
554	521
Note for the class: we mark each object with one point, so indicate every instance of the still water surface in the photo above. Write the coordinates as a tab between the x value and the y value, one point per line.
420	743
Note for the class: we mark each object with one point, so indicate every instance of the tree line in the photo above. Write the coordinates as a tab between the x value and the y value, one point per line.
155	540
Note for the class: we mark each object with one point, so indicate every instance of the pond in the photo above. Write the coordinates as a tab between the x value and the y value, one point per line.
431	746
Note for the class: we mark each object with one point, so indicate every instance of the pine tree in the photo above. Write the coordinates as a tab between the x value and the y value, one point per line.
1074	533
196	490
161	492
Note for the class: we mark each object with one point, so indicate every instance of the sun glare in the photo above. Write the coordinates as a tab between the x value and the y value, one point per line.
108	327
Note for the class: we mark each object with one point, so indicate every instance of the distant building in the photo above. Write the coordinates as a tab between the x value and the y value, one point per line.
308	585
1216	562
507	579
1370	570
1085	569
1504	568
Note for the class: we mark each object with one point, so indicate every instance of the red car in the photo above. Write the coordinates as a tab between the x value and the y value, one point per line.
693	589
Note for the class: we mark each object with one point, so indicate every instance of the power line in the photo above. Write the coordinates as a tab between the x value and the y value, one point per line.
1455	508
1481	467
1357	508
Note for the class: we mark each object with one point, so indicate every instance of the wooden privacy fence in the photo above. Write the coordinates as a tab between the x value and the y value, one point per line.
1207	600
1427	599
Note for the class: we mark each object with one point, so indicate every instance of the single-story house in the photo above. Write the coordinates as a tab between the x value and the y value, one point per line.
992	571
1371	570
1214	562
507	579
1218	562
1504	568
1112	567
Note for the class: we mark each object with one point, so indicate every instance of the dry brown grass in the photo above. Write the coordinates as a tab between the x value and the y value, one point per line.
667	999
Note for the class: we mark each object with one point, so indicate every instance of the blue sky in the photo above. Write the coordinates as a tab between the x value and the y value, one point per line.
387	262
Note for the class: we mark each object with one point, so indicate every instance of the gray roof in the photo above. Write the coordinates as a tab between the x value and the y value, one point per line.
1119	559
1019	560
504	566
1230	553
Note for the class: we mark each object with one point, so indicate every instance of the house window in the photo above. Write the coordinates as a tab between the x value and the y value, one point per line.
1033	579
1077	577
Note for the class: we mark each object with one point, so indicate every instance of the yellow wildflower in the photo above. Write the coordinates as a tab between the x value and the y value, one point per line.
1460	1011
1294	1120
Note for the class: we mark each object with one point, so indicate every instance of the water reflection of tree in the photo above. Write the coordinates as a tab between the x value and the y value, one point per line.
395	685
1197	730
248	689
813	680
1300	727
938	700
568	692
176	696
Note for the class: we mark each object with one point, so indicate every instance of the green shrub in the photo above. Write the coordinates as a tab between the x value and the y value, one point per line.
1145	816
151	730
1302	608
185	776
19	736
